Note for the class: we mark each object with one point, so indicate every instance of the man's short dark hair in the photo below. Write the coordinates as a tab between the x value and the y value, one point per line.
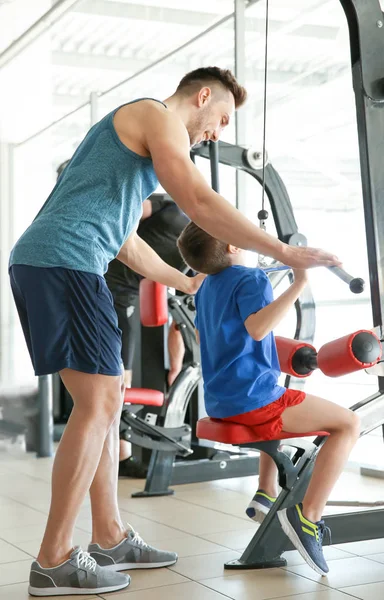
198	78
202	252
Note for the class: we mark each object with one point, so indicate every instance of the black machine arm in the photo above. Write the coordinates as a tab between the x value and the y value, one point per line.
238	158
366	30
356	284
182	309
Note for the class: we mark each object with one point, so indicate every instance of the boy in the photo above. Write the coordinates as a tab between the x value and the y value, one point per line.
235	318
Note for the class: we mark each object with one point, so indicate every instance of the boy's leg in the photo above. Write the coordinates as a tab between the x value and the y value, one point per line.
317	414
266	493
303	524
97	404
268	475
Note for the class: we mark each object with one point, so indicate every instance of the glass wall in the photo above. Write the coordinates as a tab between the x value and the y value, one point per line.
312	141
311	135
35	165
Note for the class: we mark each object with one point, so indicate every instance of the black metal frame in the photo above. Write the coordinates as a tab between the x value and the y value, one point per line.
365	20
365	24
171	437
208	463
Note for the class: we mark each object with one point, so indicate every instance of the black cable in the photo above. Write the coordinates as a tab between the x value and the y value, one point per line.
265	99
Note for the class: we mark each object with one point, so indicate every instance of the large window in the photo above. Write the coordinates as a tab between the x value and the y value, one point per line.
311	138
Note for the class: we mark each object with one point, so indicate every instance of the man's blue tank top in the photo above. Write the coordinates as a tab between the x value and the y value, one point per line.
93	208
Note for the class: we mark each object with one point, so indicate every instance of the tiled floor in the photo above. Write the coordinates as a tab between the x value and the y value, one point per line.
204	523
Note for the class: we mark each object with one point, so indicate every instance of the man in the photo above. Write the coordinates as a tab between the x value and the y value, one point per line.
69	323
161	224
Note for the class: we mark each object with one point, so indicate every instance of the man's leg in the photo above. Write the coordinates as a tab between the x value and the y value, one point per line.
176	352
97	405
125	307
317	414
125	315
107	526
125	450
112	544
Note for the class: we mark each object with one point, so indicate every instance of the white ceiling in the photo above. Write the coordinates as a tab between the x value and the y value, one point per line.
311	120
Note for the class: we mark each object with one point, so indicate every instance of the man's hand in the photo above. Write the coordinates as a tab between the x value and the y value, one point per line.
305	258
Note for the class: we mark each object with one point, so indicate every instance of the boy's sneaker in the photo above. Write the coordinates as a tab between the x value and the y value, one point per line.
131	553
307	537
260	506
80	574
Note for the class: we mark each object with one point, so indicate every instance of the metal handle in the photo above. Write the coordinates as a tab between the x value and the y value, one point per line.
356	284
273	268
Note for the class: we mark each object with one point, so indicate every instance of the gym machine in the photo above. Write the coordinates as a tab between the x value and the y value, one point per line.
172	464
365	21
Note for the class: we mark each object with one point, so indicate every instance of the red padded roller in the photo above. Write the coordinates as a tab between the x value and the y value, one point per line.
353	352
143	396
295	357
153	303
233	433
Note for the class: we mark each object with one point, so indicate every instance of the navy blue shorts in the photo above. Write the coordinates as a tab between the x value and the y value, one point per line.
68	320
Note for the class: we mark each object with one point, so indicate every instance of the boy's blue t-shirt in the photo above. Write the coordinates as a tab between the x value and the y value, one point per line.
240	374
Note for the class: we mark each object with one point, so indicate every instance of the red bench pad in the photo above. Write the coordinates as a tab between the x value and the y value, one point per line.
153	303
233	433
143	396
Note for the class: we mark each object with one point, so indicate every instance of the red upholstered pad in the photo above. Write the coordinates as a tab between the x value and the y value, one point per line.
153	303
232	433
143	396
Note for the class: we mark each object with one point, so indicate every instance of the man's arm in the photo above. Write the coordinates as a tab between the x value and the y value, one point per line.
167	141
140	257
147	210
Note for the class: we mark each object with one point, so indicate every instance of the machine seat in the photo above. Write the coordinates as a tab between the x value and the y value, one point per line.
224	432
143	396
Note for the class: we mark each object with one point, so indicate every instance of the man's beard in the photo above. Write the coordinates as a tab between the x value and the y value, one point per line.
196	128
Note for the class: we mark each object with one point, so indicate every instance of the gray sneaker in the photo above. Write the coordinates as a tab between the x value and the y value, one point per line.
80	574
131	553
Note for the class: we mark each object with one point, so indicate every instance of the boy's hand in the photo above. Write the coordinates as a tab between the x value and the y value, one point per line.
301	276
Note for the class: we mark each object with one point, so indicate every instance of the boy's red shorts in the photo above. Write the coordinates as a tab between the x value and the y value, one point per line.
266	421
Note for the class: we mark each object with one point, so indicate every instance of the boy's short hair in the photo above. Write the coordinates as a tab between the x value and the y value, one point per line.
202	252
199	78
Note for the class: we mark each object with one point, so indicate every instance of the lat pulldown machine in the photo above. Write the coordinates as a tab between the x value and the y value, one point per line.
366	27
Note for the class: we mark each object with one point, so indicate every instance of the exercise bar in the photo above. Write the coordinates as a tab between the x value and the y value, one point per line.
356	284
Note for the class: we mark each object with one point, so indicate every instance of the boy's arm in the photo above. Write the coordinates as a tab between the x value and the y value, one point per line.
264	321
197	336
